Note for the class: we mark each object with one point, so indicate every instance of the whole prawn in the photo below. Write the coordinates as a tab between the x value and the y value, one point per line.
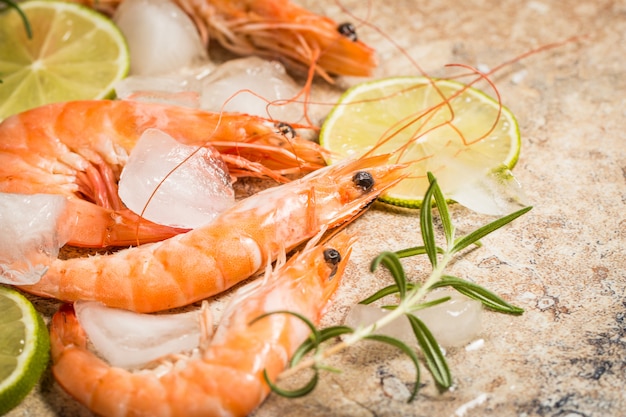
227	379
208	260
79	148
272	28
276	29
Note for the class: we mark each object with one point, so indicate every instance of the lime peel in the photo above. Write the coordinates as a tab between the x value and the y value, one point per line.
25	355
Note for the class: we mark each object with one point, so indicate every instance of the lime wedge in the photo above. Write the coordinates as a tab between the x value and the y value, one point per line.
24	348
456	132
75	53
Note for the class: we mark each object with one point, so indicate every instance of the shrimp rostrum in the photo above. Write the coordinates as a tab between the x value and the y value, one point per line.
227	378
78	149
234	246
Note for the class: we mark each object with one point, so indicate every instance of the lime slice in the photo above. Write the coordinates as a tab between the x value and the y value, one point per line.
75	53
460	139
24	348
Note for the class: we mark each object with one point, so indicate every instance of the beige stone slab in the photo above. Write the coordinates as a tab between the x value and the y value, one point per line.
564	262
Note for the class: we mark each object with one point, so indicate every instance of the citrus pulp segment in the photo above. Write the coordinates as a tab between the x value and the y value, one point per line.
75	53
24	348
456	132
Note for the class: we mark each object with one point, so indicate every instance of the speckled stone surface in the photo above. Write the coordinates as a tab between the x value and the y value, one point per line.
564	262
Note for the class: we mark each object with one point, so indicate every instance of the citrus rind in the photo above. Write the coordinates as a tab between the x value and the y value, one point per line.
33	358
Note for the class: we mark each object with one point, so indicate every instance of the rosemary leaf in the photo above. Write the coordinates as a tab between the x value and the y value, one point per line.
301	392
426	224
444	213
405	253
478	234
409	352
426	304
392	262
417	250
435	361
391	289
476	292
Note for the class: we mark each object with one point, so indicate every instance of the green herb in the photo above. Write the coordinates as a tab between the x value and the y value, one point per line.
411	296
17	8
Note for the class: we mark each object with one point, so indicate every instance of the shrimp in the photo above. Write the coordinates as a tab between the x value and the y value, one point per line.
212	258
79	148
280	28
276	29
227	378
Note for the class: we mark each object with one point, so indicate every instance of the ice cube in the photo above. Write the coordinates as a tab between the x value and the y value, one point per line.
174	184
495	193
225	89
32	234
452	323
129	340
160	36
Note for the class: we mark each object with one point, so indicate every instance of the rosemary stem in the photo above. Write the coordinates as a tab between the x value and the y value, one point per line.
310	362
359	334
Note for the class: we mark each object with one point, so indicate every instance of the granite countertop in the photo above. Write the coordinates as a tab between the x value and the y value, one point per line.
564	262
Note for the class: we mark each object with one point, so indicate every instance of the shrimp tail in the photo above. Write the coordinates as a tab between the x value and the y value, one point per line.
68	347
68	332
92	226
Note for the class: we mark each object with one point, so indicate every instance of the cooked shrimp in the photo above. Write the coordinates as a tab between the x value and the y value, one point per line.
276	29
272	28
210	259
227	378
79	148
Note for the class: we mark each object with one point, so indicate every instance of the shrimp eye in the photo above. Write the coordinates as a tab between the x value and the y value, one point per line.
348	30
363	180
286	130
332	258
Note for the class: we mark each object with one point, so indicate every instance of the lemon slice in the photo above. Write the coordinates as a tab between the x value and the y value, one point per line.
24	348
458	133
75	53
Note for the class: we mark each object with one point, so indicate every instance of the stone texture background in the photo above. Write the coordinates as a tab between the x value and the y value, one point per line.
564	262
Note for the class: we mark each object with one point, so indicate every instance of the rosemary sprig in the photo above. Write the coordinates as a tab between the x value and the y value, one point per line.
411	297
